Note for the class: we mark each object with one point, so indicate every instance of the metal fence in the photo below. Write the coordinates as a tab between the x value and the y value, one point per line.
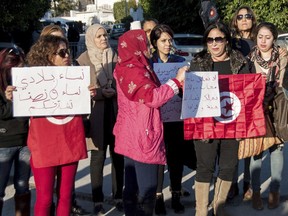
76	49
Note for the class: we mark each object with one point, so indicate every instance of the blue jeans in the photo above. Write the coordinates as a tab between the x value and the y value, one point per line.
140	187
276	165
21	157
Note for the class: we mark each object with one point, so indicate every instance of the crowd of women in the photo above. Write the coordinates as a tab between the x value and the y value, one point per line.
126	101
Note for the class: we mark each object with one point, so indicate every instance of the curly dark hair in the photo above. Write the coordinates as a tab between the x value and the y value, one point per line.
43	51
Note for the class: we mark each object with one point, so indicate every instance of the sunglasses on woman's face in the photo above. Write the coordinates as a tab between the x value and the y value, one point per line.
216	39
247	16
16	51
62	53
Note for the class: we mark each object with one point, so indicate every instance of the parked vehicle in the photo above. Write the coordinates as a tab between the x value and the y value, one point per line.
117	30
107	25
4	45
282	40
187	45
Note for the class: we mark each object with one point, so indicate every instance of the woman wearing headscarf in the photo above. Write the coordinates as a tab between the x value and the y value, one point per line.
102	58
139	129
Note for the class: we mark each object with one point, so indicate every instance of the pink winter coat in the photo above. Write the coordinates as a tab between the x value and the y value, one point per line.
139	130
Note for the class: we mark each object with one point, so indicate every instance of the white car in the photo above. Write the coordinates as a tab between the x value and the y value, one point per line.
187	45
282	40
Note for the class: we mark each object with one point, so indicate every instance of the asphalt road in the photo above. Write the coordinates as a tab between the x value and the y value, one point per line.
235	208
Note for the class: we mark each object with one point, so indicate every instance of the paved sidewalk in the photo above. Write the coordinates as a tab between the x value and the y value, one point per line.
236	208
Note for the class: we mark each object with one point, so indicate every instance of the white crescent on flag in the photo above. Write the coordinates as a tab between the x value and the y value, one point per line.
62	121
230	107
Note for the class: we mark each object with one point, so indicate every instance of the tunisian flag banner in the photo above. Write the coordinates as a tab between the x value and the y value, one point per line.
241	101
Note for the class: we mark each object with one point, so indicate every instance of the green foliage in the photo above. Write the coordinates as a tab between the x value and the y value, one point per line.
121	9
274	11
183	16
21	14
63	7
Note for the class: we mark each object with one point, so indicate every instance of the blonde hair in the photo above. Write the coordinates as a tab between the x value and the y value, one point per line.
50	29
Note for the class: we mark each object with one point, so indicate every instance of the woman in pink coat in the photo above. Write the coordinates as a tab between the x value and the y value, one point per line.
138	129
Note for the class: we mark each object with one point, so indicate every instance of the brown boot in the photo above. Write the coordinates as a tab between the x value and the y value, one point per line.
247	191
22	204
220	195
202	198
257	201
273	200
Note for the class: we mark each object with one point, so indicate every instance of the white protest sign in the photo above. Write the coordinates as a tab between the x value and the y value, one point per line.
201	96
171	111
53	90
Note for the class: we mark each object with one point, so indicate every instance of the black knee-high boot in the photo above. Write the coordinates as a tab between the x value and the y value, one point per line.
145	207
22	204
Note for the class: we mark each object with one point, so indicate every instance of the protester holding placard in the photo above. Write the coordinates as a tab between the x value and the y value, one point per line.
102	59
266	59
138	129
216	56
176	147
56	143
13	136
56	30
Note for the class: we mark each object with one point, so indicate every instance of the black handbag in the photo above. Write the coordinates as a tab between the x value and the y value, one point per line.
280	114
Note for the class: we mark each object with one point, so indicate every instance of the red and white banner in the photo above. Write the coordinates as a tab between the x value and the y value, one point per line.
241	99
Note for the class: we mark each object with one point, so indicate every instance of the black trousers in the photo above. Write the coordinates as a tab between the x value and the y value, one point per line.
97	162
179	152
207	152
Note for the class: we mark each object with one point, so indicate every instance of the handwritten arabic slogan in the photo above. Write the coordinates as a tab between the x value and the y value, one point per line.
171	111
53	90
201	95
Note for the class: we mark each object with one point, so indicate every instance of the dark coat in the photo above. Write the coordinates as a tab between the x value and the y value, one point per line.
96	131
13	131
238	63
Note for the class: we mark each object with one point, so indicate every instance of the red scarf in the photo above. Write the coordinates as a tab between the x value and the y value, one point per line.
133	72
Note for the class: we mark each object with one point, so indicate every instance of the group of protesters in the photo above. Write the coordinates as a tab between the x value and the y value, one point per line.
126	101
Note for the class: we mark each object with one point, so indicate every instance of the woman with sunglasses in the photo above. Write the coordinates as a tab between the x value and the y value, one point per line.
56	30
243	26
217	55
13	137
161	38
102	60
265	58
53	152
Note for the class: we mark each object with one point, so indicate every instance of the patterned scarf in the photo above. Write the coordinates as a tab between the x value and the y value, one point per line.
134	75
274	61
